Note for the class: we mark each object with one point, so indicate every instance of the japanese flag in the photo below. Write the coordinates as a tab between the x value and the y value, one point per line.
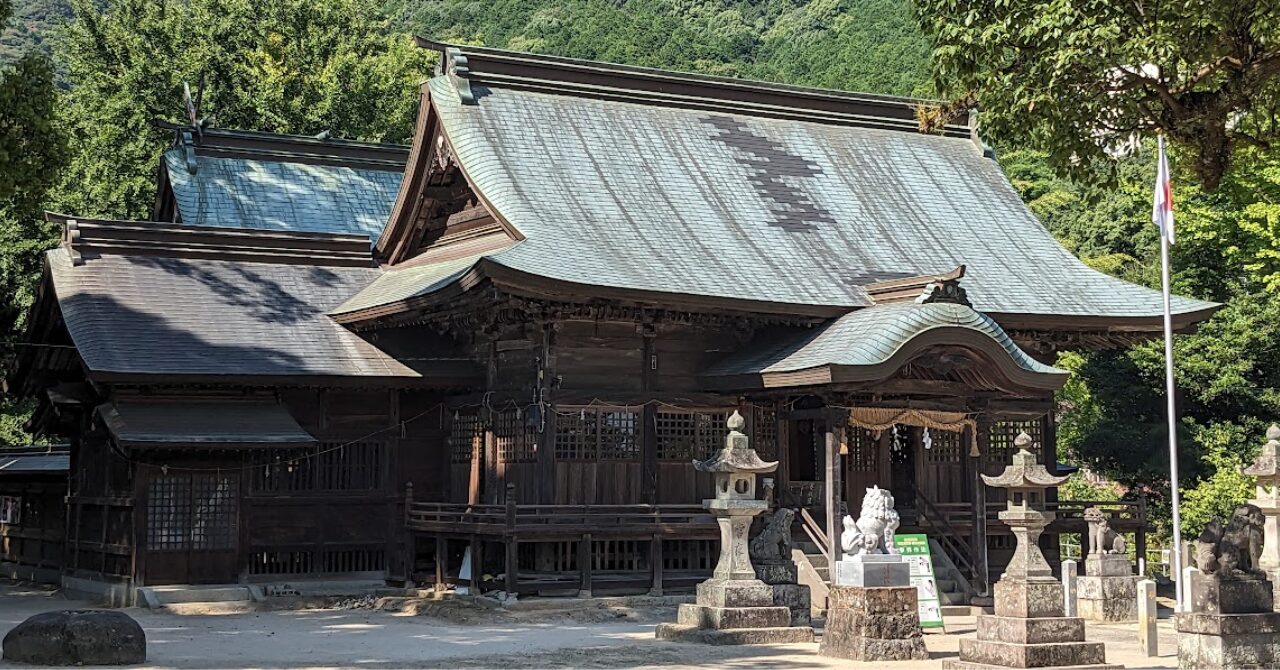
1162	209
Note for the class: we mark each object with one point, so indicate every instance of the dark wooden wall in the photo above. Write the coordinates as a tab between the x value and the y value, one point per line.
38	539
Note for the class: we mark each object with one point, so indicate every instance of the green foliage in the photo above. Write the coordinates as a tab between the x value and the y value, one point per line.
1079	488
1076	78
1219	493
30	27
32	150
289	66
861	45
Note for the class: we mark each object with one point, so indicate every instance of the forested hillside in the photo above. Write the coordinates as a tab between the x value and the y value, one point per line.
30	27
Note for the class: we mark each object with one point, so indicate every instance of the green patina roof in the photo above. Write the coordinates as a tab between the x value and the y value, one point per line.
281	195
667	199
872	336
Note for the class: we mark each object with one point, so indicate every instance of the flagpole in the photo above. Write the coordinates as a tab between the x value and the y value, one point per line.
1171	410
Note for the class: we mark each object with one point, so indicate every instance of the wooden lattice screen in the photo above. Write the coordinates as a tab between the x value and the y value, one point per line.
191	511
1000	448
466	436
329	466
764	436
516	439
685	435
945	447
863	450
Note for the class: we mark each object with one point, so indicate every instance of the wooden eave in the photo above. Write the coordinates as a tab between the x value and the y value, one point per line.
459	378
1010	376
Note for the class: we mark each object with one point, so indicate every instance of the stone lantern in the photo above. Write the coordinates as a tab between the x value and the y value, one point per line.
734	607
1029	629
1026	480
1267	499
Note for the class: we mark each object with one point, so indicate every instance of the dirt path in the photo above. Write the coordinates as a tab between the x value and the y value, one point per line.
454	636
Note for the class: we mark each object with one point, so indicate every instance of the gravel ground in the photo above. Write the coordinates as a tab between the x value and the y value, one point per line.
455	635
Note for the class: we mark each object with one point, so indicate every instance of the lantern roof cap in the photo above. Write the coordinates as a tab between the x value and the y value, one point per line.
1265	465
1025	471
737	454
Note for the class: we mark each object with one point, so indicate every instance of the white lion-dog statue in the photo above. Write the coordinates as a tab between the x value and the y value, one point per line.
873	532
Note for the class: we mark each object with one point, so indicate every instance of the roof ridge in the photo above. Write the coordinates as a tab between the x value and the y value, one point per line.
465	65
156	238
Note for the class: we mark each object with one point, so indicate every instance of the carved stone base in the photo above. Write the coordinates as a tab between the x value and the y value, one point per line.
1108	599
1107	565
1033	598
873	624
1228	640
680	633
1213	595
735	593
777	573
721	618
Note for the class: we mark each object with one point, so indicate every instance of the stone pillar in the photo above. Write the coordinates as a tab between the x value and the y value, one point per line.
1148	640
1188	574
1109	589
873	624
1266	469
1069	587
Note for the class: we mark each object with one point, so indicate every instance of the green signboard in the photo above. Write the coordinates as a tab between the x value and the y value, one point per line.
915	548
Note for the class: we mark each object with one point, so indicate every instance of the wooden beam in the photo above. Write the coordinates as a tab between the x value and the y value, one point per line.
442	562
511	564
831	493
655	565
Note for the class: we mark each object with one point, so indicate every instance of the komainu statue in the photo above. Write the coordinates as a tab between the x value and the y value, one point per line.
773	543
872	533
1232	552
1102	540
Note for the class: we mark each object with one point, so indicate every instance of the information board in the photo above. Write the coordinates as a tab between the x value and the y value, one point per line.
915	548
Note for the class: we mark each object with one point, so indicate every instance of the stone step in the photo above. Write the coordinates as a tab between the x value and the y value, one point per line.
1014	655
956	610
160	596
945	585
955	599
816	559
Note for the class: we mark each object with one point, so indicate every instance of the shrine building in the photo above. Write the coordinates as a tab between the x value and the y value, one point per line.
325	359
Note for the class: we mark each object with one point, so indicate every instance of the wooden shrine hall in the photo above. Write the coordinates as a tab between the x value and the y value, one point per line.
489	359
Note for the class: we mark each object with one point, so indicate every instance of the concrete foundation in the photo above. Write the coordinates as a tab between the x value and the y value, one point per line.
873	624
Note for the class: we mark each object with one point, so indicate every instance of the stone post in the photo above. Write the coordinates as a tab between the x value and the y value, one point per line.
734	607
1069	577
1188	575
1266	469
1148	641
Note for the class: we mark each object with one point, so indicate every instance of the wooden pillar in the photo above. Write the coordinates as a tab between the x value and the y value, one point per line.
511	565
979	505
547	439
1140	535
655	564
442	562
584	565
832	484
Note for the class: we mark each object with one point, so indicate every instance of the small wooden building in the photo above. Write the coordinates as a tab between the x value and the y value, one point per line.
33	481
508	342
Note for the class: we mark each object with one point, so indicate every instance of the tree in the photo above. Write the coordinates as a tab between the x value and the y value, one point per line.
32	151
1075	79
289	66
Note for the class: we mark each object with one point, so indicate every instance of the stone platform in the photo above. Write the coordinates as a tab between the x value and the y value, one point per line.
1228	640
1109	590
737	611
873	624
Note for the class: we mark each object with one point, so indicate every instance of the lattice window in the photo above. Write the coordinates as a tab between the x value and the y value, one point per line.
11	510
517	441
576	435
169	512
683	436
1000	448
619	435
765	432
466	436
213	513
191	512
945	447
864	450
